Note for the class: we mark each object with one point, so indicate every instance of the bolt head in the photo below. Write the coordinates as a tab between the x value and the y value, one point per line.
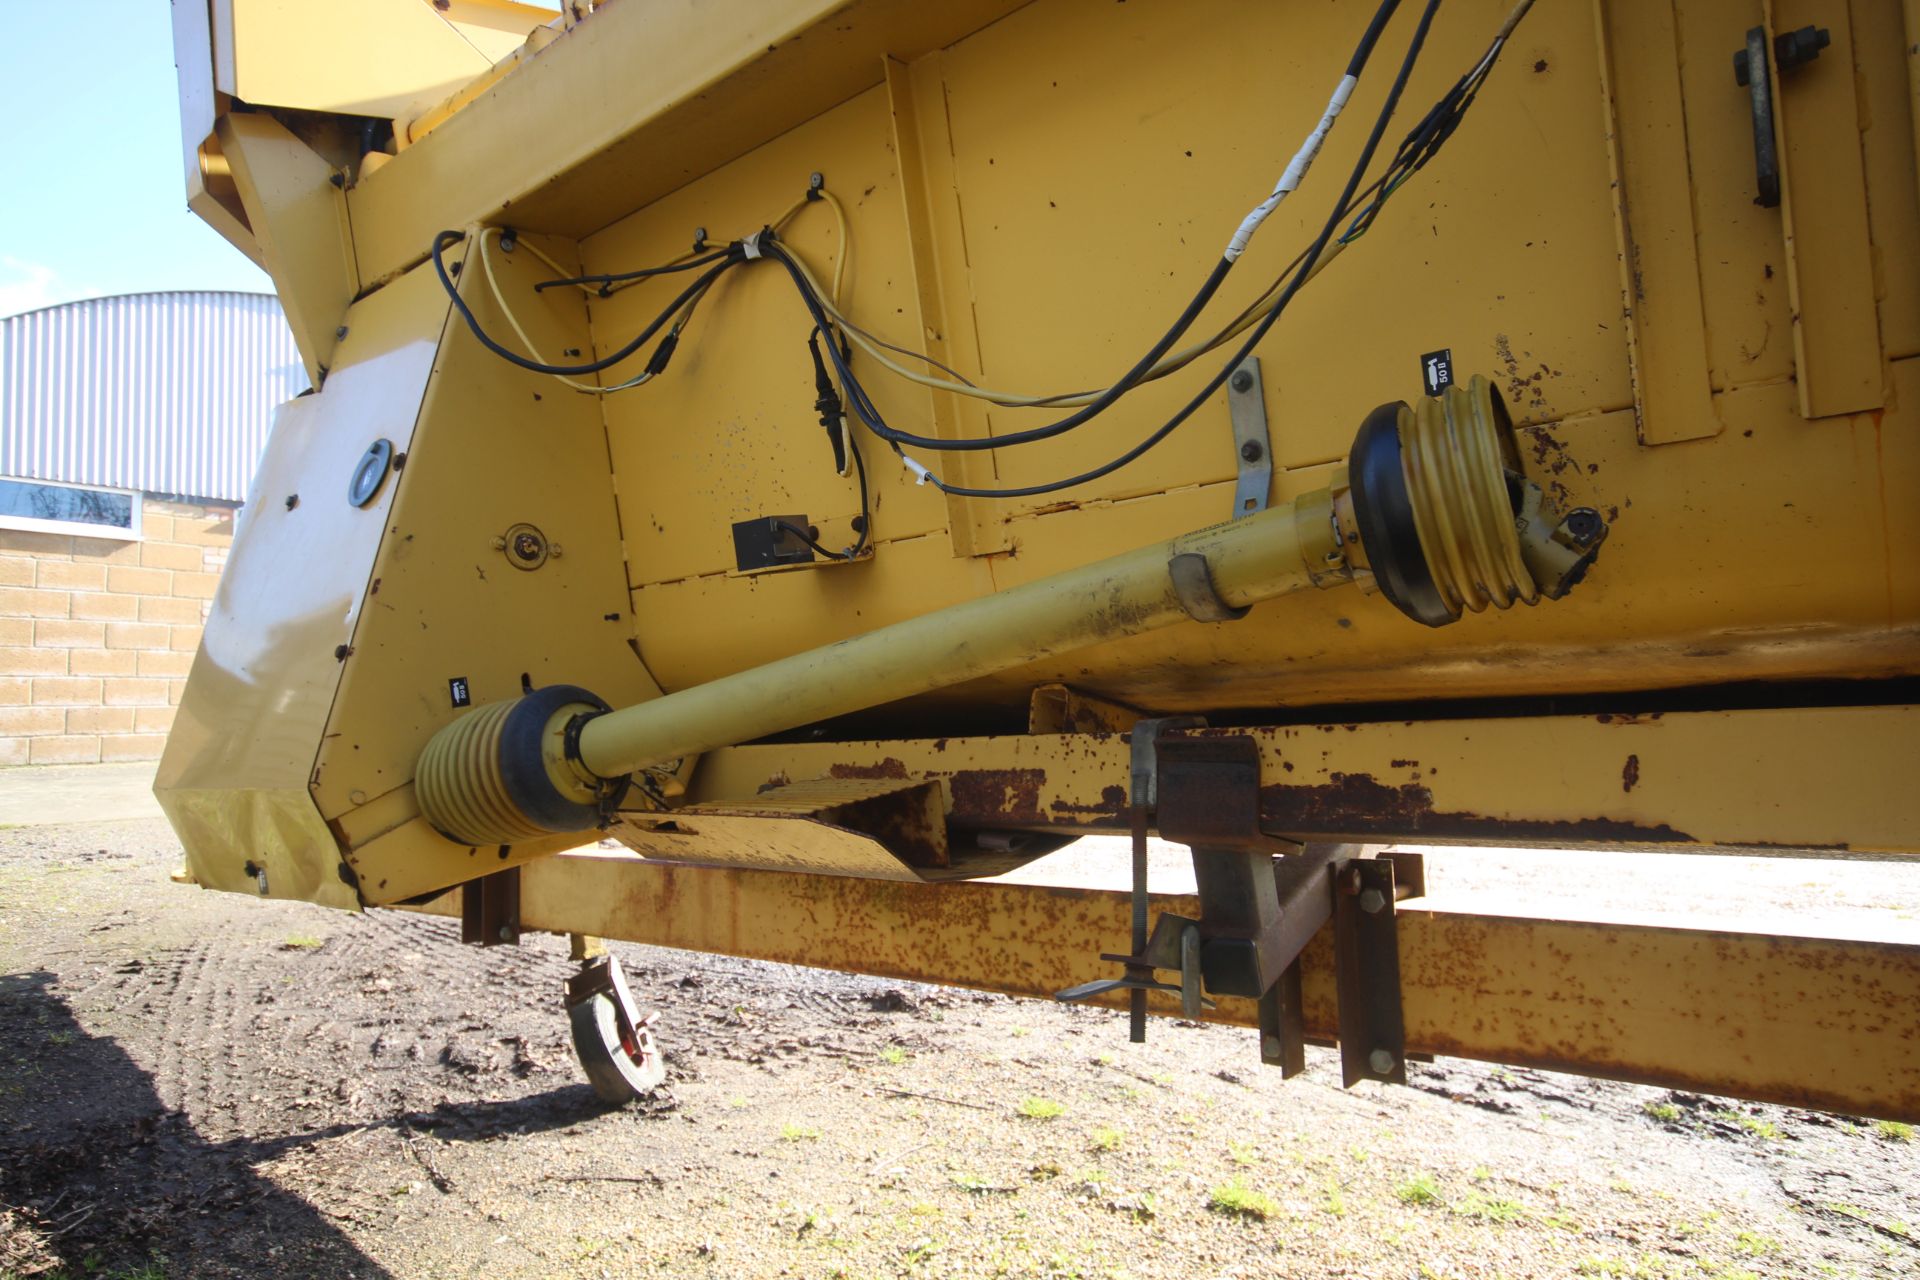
1252	451
1242	381
1371	900
1382	1061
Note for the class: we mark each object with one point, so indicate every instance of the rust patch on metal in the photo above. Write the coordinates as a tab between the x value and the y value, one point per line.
1630	774
987	796
888	768
1357	804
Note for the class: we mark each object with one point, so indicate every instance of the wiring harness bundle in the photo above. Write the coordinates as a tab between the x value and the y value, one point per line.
833	337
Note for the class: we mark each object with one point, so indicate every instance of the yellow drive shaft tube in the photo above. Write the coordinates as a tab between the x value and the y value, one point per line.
557	758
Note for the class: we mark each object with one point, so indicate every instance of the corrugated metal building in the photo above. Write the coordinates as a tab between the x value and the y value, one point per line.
129	431
168	393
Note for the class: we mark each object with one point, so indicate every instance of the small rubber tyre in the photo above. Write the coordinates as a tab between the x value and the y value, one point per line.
617	1076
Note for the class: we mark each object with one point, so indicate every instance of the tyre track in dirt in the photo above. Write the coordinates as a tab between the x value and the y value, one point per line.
266	1089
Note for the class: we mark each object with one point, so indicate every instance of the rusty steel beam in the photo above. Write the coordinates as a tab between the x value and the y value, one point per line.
1810	1022
1824	780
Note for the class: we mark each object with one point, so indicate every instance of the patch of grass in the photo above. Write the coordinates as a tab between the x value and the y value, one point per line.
1336	1199
1665	1112
1242	1153
1490	1208
1108	1139
1021	1033
893	1055
1041	1108
1422	1188
1238	1200
798	1133
1480	1173
1893	1130
1755	1245
1763	1129
302	942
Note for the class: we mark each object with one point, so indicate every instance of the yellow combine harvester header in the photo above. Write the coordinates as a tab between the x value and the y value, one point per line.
769	465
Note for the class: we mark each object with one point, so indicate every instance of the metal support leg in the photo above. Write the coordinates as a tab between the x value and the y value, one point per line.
490	909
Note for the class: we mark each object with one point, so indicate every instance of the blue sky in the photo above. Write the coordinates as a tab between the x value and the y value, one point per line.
94	200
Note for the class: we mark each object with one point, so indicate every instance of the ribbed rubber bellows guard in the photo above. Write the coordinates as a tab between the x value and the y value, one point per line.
1436	512
483	779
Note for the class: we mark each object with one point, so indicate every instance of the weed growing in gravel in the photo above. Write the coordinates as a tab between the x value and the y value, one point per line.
1336	1199
1665	1112
1019	1033
1764	1129
1894	1130
1041	1108
1243	1153
893	1055
302	942
1490	1208
1756	1245
798	1133
1236	1199
1422	1188
1107	1139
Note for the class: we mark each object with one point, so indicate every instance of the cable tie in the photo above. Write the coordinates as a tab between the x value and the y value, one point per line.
922	475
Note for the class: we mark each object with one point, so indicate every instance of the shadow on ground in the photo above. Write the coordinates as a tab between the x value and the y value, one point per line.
100	1176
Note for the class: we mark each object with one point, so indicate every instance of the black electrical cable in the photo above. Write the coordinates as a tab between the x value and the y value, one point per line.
1127	381
733	258
644	273
1259	332
808	538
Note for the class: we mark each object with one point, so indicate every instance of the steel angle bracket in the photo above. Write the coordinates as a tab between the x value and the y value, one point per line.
1366	946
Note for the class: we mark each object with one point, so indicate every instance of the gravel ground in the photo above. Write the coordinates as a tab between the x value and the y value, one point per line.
193	1085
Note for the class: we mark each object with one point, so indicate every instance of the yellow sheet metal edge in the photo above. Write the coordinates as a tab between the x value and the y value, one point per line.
639	86
1810	1022
1831	780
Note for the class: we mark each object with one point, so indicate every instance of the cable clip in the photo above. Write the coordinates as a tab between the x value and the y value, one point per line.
922	475
750	245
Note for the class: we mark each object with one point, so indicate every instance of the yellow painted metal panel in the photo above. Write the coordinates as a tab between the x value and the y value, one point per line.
1807	1022
689	462
242	750
358	57
1104	153
297	220
1653	217
1889	100
494	447
1823	213
1769	552
629	107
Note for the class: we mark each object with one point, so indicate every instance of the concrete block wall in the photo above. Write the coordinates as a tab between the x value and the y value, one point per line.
96	635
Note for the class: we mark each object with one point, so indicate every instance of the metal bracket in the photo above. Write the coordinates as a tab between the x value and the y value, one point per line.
602	975
1143	780
1790	49
1366	945
1252	450
490	909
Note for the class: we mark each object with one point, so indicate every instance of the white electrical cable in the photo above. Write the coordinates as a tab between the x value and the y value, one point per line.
1296	170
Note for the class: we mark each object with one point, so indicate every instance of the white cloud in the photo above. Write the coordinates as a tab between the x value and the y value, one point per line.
27	286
